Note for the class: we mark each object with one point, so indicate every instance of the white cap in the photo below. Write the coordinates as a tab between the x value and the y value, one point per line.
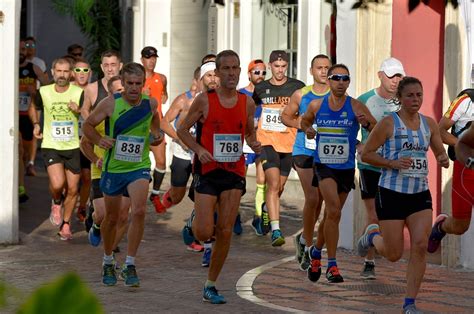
206	67
392	66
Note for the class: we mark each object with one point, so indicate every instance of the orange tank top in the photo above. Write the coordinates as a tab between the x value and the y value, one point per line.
222	134
154	83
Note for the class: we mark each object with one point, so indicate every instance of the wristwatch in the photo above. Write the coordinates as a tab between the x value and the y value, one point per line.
470	163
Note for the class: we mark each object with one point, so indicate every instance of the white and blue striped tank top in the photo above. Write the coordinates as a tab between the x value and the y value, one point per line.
405	142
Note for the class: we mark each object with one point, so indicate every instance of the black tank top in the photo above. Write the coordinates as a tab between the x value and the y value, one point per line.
101	93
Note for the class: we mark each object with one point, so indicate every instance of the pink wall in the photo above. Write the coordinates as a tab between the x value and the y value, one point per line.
418	42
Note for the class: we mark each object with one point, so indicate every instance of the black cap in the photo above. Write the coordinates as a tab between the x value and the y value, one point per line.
278	54
149	52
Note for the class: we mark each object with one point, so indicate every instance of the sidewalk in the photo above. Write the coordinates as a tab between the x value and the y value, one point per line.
172	278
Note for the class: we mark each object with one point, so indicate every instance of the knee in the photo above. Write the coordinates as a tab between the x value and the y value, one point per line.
393	255
112	218
72	190
224	232
273	187
203	233
86	180
333	214
139	212
460	227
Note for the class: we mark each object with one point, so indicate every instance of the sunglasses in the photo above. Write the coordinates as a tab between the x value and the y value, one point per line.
77	54
338	77
79	70
30	45
258	72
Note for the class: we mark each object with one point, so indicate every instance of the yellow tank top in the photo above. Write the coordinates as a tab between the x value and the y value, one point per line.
96	173
60	130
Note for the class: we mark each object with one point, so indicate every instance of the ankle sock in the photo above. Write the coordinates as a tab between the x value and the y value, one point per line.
108	259
408	301
209	283
259	199
130	260
275	224
315	253
331	262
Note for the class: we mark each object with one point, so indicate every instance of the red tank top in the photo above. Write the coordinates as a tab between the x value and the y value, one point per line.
222	134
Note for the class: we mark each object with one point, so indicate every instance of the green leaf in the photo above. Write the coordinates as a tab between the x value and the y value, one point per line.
67	293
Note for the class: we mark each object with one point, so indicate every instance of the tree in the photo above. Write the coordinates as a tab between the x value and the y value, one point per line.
99	21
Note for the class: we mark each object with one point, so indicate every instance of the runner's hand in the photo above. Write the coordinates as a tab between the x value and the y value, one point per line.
204	156
37	131
106	142
73	106
443	160
256	147
402	163
310	133
156	140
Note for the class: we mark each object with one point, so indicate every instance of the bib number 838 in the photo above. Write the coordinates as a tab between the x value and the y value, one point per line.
130	148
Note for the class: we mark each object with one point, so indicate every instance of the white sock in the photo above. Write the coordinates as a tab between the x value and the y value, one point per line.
130	260
370	261
302	241
208	245
275	225
306	248
108	259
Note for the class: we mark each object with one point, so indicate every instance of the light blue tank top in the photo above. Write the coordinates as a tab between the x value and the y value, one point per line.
411	143
337	136
303	145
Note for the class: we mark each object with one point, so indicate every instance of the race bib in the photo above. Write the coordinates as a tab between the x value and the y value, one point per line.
129	148
419	166
227	147
62	131
271	120
310	143
24	101
333	150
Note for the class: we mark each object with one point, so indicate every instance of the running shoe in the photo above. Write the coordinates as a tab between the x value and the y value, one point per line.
277	238
159	207
211	295
65	232
30	170
238	225
436	234
257	225
55	217
369	271
81	214
314	269
89	220
363	245
305	261
299	248
188	237
129	275
206	257
333	275
94	236
411	309
265	220
108	275
195	247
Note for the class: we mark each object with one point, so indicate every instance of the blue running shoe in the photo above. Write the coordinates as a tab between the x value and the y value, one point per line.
363	245
188	237
277	238
206	257
108	275
94	235
211	295
257	225
265	220
436	234
238	225
129	275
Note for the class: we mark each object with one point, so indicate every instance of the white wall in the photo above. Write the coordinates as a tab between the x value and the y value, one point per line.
9	35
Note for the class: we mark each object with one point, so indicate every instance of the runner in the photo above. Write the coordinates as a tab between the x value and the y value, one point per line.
133	125
337	117
60	146
303	152
155	86
181	164
458	117
256	74
82	74
96	155
219	166
75	50
403	198
381	103
277	139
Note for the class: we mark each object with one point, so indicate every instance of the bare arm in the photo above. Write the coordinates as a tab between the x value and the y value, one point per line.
89	95
42	76
444	125
155	124
307	120
250	135
87	148
381	132
465	145
176	107
436	144
104	109
289	116
197	111
365	118
164	97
